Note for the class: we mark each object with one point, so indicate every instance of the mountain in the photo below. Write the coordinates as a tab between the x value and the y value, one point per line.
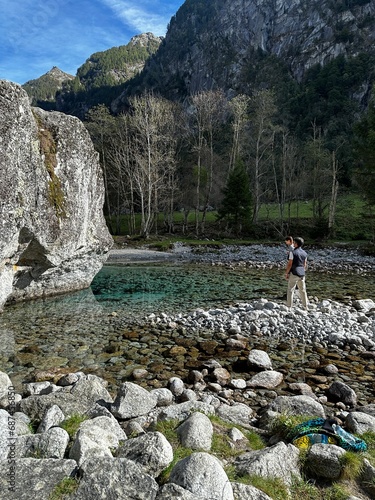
317	56
222	43
102	77
118	64
42	91
98	81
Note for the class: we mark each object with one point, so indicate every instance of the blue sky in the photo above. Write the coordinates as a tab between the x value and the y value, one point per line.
36	35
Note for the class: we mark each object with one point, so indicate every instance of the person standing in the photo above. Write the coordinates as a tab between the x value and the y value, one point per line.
289	245
295	273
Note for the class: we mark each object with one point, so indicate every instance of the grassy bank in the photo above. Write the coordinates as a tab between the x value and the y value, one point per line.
353	224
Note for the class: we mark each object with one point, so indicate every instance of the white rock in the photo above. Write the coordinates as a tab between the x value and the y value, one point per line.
260	359
196	432
203	475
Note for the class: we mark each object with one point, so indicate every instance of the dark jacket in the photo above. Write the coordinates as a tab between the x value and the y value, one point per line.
299	259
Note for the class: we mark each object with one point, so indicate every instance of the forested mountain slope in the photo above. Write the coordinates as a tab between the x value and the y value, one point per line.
99	80
42	90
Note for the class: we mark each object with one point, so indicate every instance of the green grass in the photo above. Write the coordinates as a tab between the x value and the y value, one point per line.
179	453
353	223
178	219
221	443
335	492
369	438
33	426
352	463
348	205
168	429
71	424
221	446
305	490
256	442
273	487
276	489
284	423
65	487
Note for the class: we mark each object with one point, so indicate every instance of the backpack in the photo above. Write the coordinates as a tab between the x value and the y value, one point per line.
326	431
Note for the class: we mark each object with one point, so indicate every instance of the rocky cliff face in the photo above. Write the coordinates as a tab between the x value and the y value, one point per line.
302	32
212	44
53	234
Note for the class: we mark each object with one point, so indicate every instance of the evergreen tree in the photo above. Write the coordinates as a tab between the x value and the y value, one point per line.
364	145
236	206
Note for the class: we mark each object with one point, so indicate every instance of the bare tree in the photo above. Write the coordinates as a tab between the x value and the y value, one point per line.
153	153
334	192
100	125
209	109
239	107
286	169
121	178
318	166
262	141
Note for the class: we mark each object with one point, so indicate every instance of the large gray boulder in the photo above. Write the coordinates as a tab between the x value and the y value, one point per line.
368	478
338	391
259	359
203	475
297	405
53	234
109	478
132	401
152	451
196	432
238	413
96	437
85	448
50	444
5	384
32	478
359	423
248	492
324	460
75	400
171	491
183	410
10	428
268	379
279	461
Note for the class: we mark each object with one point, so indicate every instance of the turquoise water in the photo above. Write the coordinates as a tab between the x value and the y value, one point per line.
138	290
184	287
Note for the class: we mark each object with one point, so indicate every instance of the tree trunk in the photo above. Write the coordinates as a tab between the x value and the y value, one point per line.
334	191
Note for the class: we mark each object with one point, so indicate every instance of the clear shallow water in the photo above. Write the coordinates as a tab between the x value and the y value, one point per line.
139	290
180	288
76	331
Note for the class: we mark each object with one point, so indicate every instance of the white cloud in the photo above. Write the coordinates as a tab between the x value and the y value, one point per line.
140	16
